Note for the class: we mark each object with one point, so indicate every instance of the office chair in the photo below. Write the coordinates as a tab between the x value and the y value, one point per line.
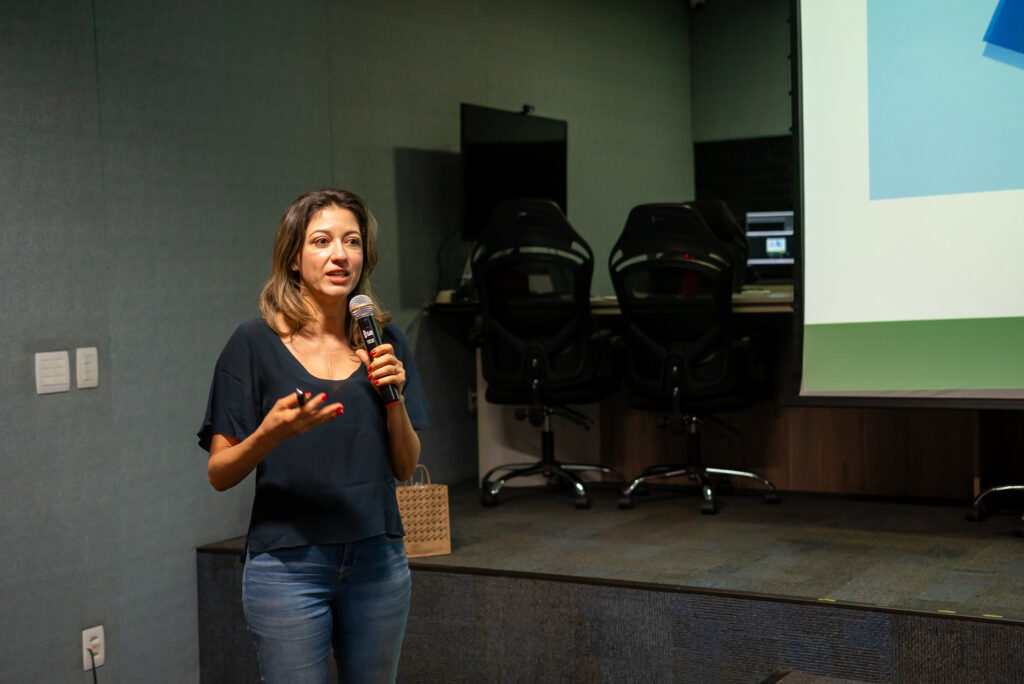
674	282
533	273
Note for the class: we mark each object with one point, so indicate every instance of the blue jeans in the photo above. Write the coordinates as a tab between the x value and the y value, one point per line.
299	601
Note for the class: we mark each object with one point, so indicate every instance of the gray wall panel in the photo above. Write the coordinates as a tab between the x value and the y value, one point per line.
59	516
149	151
214	118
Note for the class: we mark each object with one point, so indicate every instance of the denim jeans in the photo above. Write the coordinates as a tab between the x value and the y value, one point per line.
301	601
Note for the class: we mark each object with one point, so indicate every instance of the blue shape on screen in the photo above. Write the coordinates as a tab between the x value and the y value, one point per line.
944	108
1007	27
1004	55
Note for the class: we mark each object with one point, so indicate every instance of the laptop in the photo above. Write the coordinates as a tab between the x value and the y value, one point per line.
770	246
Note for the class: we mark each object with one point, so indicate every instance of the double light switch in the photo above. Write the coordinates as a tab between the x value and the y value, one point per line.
53	370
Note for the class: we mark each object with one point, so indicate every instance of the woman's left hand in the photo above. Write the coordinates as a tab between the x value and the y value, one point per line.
383	367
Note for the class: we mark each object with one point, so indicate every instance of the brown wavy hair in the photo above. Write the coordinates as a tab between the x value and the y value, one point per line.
281	295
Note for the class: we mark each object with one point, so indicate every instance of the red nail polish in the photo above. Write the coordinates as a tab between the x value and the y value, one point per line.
375	382
307	395
339	411
323	396
373	352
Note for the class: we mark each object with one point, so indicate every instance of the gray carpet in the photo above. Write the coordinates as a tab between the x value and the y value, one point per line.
892	555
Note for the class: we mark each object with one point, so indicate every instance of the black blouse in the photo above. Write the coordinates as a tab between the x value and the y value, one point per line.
332	484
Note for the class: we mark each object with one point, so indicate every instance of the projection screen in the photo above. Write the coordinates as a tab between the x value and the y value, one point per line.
911	123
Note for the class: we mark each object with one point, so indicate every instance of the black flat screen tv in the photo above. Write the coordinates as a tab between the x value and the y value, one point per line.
507	155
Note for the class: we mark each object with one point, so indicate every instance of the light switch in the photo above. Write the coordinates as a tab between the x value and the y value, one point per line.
87	367
53	372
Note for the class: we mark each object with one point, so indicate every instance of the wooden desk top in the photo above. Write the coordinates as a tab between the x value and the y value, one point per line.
763	299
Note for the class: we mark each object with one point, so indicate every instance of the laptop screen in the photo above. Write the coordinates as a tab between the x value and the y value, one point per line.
770	238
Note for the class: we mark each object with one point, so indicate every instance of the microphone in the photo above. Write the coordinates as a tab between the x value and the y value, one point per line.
361	308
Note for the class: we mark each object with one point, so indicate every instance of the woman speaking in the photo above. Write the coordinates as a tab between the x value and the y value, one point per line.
325	564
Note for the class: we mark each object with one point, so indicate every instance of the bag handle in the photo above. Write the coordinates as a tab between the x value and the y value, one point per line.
423	480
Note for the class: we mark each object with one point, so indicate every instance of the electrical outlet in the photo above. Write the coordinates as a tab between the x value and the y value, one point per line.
92	638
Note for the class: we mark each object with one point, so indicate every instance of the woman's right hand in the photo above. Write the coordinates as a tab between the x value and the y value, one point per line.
288	419
231	459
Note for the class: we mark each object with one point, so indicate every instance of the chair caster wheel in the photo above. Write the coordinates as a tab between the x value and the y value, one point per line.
772	497
625	502
582	502
488	499
708	508
977	513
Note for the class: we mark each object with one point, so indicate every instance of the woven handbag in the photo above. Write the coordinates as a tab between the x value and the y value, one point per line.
424	510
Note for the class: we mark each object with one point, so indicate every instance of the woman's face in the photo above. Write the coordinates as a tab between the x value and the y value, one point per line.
331	259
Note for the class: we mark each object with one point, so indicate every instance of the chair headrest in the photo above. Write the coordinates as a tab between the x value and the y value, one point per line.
532	222
659	228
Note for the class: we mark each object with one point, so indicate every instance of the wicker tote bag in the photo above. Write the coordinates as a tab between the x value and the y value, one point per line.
424	509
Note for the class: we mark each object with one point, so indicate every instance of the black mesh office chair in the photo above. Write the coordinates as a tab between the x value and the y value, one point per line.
674	284
539	352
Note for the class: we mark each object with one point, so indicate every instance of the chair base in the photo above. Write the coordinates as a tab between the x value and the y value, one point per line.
700	474
554	471
980	509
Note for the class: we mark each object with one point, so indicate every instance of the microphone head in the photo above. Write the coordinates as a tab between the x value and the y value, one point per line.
360	306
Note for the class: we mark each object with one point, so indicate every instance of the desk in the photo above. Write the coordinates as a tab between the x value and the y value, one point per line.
502	440
760	299
763	299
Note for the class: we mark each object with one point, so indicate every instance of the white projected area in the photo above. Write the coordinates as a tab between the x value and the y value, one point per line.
947	256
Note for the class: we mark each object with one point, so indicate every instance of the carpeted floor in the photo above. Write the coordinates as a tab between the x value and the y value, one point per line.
897	555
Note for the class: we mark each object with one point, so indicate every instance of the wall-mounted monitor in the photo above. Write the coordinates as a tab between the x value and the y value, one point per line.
506	155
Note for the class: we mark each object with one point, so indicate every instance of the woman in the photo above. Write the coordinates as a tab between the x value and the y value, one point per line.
325	563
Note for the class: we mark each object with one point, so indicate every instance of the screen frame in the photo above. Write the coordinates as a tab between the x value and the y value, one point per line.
790	391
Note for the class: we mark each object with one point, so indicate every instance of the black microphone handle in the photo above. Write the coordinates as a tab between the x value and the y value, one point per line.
371	338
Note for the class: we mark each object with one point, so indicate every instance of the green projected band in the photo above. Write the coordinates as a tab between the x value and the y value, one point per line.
924	358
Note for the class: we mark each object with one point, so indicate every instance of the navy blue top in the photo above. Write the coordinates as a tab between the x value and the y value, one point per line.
332	484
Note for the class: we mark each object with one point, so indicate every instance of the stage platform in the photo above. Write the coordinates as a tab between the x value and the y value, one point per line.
537	590
896	555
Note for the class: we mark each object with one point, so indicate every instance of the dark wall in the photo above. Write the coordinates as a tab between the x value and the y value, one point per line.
754	174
